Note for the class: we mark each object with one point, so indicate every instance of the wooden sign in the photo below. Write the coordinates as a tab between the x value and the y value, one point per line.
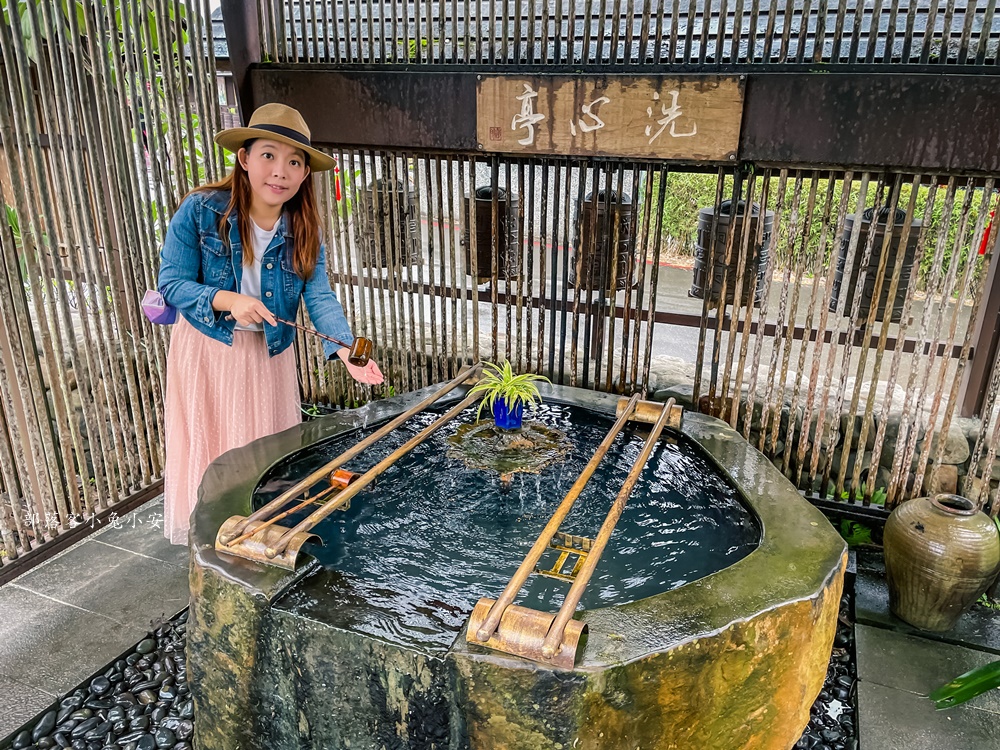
694	118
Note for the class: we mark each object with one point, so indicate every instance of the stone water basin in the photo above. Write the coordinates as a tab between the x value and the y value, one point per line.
711	615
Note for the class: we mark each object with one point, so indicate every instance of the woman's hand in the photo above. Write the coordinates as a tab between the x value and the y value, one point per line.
368	375
246	310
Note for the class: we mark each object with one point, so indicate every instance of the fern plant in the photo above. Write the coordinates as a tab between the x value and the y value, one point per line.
500	382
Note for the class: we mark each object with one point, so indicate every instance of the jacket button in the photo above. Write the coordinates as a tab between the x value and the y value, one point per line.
270	266
208	319
267	294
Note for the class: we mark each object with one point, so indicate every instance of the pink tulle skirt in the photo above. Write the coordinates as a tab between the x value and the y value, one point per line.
218	398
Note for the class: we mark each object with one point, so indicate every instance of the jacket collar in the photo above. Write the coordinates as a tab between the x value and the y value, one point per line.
217	200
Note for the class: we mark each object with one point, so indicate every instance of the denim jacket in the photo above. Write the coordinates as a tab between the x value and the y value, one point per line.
195	264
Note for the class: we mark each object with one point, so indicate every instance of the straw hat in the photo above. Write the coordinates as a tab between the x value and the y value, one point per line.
277	122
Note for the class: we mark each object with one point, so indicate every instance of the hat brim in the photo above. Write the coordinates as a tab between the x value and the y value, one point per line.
232	139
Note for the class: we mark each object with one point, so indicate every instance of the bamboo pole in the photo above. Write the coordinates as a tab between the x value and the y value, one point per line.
489	626
553	640
370	476
347	455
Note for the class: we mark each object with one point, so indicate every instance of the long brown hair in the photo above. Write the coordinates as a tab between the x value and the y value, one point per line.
301	207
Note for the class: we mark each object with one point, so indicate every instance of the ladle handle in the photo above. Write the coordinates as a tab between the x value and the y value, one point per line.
313	331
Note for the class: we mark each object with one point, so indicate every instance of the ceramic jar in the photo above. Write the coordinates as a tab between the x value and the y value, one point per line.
941	554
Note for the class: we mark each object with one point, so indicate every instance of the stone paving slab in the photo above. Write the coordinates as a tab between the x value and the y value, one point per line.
141	531
124	586
899	665
919	666
19	703
51	645
891	719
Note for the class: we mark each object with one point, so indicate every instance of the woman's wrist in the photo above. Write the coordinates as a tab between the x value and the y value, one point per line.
223	300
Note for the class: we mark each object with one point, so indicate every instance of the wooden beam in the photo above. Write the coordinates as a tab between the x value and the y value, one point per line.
948	121
243	40
910	121
378	108
985	342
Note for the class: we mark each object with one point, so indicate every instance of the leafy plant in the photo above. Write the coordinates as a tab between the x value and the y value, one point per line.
878	497
855	533
413	45
312	411
499	381
119	15
14	223
348	179
985	601
967	686
412	48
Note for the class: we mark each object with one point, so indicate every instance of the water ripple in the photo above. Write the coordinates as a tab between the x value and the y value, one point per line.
419	547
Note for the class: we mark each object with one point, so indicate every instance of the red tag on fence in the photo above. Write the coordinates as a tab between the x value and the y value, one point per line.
336	183
986	235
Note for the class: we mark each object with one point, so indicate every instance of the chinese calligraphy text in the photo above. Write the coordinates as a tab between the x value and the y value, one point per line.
690	118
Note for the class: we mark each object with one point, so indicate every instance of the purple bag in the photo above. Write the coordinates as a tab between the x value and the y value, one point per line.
157	310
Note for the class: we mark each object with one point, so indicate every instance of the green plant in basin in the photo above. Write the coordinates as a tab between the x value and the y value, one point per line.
500	383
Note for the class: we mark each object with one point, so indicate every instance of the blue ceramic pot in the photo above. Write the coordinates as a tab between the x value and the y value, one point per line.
508	419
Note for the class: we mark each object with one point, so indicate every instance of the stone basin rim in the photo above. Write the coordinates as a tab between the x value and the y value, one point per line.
802	542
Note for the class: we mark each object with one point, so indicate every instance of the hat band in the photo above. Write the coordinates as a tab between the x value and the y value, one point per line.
287	132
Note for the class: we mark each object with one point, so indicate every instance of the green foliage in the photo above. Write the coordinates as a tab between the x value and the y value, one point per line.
413	46
684	194
985	601
14	223
967	686
855	533
499	381
347	180
878	497
148	64
313	410
189	123
78	7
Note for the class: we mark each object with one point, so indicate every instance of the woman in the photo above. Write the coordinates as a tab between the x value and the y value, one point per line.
240	253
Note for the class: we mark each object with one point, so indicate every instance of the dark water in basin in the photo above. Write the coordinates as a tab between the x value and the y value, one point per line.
417	549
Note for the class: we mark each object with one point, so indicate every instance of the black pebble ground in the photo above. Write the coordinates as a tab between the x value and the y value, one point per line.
141	702
839	691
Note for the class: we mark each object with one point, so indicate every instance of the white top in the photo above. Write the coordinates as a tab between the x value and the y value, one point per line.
251	274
